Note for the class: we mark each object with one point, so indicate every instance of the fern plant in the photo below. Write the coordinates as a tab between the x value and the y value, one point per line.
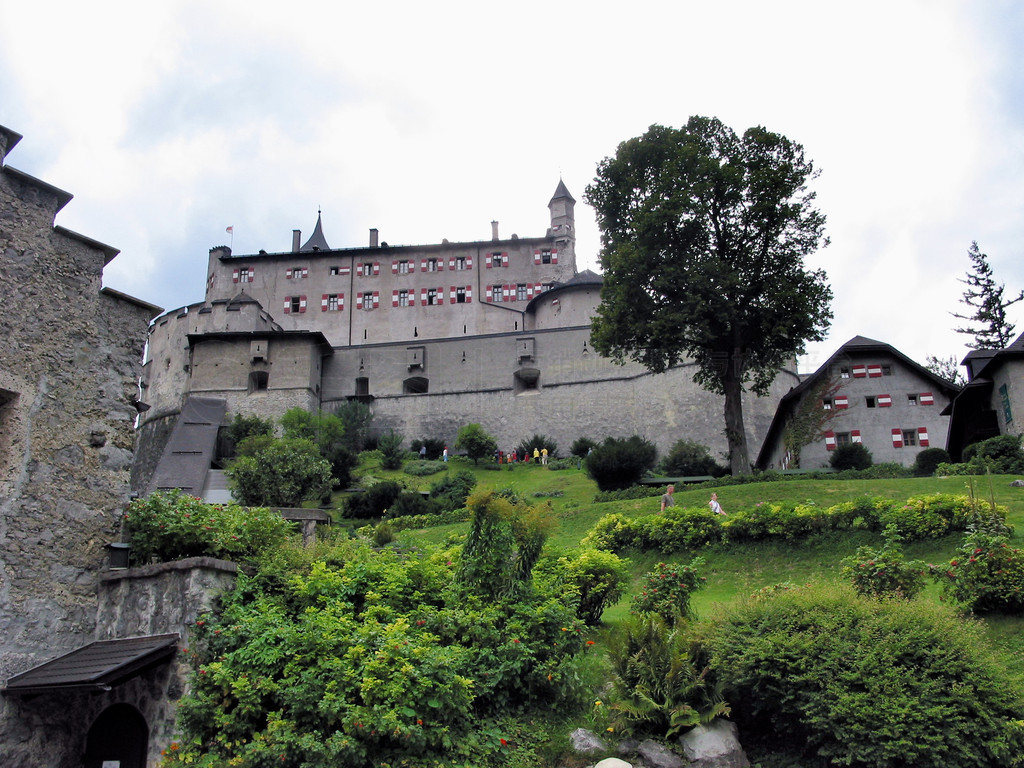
664	684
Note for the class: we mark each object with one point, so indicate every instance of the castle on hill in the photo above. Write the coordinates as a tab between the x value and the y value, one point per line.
432	337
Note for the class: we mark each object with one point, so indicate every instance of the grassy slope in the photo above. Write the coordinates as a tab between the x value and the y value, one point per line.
736	571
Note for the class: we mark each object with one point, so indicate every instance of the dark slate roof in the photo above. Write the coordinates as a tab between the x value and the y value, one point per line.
561	191
98	666
190	450
586	277
579	280
317	241
979	360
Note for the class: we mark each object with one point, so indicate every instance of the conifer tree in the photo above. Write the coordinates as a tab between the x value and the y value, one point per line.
987	322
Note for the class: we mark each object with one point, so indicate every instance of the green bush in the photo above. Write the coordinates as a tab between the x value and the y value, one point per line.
392	454
885	572
253	444
987	574
598	579
663	682
851	681
452	490
423	468
688	458
1001	455
974	467
373	501
477	443
370	658
675	530
242	427
343	461
928	460
411	503
414	522
538	442
619	463
504	542
633	492
666	590
284	474
434	447
679	529
581	446
171	525
850	456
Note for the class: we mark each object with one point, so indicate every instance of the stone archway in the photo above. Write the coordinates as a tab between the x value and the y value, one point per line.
118	738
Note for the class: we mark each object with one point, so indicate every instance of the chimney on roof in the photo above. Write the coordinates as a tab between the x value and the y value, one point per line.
494	230
296	239
374	235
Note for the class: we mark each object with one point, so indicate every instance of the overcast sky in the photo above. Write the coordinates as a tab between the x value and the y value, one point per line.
171	121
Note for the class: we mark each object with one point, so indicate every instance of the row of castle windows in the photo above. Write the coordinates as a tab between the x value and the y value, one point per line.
405	266
840	402
458	294
901	438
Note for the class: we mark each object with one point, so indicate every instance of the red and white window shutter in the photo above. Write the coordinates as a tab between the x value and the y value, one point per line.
897	438
860	371
884	401
830	440
842	401
922	436
927	398
874	371
855	436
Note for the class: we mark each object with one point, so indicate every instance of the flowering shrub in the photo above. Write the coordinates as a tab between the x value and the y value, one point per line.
884	572
371	658
171	525
666	590
987	574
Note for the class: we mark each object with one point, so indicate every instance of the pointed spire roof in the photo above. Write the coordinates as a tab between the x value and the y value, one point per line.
317	241
561	191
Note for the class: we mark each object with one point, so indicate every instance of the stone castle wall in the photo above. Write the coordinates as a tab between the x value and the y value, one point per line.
69	363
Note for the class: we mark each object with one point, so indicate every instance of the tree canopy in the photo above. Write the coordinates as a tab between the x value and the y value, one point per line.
704	235
987	321
476	442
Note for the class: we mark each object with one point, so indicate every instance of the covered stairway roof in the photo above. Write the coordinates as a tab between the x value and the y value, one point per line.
98	666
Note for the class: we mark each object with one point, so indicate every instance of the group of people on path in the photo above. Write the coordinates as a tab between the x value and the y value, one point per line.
668	500
540	456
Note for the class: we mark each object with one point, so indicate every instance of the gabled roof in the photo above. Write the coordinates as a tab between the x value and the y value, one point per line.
317	241
984	362
861	345
97	666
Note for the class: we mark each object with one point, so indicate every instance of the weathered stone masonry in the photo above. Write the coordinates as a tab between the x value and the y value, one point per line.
69	365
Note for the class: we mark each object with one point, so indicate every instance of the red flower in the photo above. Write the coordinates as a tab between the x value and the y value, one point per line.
515	640
503	742
590	642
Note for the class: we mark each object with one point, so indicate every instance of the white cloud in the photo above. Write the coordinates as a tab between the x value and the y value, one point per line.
172	121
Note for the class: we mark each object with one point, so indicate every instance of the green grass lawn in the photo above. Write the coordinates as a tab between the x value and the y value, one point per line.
735	571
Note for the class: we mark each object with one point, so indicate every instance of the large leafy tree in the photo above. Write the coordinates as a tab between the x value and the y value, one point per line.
704	235
983	296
